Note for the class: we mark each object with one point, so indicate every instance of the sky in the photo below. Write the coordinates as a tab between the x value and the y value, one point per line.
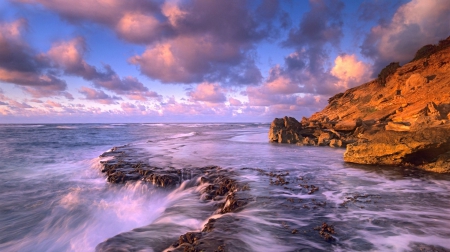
136	61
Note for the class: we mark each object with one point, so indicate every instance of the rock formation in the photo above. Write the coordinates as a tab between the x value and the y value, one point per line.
400	118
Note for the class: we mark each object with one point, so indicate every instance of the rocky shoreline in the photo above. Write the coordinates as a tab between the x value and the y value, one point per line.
228	194
124	165
402	118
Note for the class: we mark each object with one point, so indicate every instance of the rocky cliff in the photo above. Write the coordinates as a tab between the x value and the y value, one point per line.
400	118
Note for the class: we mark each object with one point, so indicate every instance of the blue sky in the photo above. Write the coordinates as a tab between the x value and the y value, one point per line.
199	60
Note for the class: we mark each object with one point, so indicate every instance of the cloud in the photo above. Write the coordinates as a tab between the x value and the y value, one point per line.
20	65
305	70
192	59
208	92
15	104
415	24
98	96
107	12
234	102
350	71
69	56
138	28
53	104
208	43
320	26
186	41
131	108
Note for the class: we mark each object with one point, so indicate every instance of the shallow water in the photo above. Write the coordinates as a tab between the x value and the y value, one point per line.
54	198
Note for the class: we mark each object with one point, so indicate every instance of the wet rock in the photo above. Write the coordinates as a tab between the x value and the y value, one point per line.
326	232
313	189
163	180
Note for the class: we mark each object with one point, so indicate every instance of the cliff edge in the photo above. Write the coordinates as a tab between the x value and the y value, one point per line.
400	118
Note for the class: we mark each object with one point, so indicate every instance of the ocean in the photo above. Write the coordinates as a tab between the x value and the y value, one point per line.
54	197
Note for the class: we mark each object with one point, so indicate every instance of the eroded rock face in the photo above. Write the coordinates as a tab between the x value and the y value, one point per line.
427	148
387	121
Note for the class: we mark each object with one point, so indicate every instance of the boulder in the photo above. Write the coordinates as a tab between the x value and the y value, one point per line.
276	125
285	130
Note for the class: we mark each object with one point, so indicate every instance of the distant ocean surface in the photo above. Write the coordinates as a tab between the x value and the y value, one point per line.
53	196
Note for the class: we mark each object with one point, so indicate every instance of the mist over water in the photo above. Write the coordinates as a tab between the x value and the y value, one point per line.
54	198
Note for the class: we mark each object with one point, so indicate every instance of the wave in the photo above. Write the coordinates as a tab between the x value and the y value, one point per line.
184	135
66	127
21	125
153	124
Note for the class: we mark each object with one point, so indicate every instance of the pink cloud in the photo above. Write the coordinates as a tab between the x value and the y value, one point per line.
415	24
188	59
187	41
20	65
53	104
208	92
234	102
68	55
137	27
131	108
98	96
15	104
350	71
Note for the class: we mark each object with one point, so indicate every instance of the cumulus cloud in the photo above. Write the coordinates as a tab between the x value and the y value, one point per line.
320	26
69	56
416	23
209	44
21	65
187	41
208	92
139	28
98	96
350	71
305	69
107	12
303	84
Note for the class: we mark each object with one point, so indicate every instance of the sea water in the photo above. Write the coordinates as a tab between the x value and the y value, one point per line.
53	196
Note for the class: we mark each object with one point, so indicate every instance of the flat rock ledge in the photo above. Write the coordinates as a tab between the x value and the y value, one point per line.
124	164
425	144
